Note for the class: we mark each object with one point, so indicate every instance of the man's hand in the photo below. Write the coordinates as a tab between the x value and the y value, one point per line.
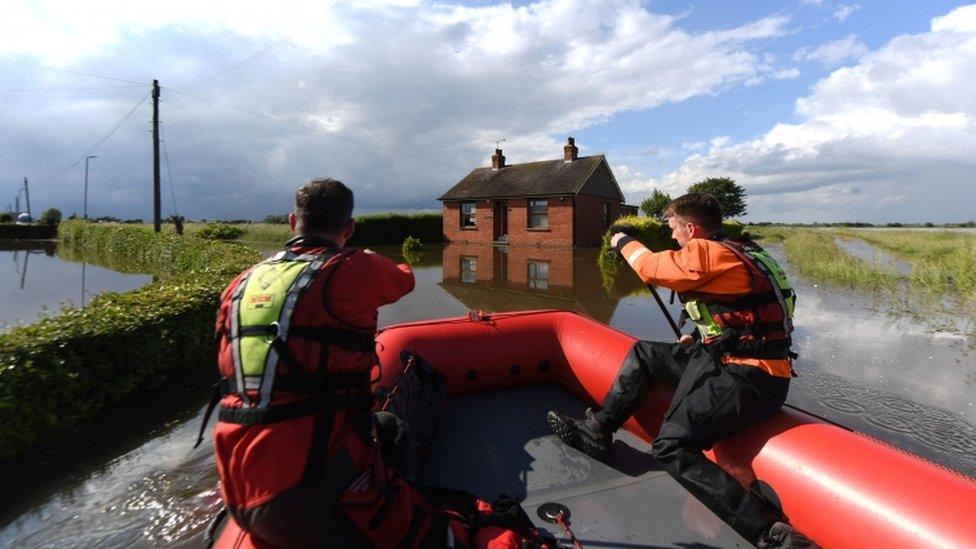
628	230
685	340
618	231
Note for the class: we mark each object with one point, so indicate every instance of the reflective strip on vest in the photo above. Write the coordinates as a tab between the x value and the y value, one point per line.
235	339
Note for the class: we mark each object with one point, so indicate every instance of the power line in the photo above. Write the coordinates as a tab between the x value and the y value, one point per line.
242	62
257	55
102	140
169	172
33	66
73	89
314	129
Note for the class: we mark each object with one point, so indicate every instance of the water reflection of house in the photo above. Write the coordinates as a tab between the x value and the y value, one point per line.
492	278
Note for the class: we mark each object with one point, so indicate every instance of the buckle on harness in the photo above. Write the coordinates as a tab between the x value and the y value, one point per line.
270	337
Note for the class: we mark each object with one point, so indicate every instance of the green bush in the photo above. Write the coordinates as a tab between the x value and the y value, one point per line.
220	231
6	218
63	370
51	216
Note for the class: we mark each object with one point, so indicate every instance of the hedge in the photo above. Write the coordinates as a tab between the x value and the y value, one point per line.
371	229
33	231
63	370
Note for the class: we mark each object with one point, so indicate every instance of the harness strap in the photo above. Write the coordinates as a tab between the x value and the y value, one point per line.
346	339
294	410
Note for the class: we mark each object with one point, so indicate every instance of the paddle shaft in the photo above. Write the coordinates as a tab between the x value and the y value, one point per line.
664	309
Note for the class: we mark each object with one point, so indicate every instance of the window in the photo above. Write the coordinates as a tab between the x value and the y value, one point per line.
469	266
539	214
538	275
606	214
467	215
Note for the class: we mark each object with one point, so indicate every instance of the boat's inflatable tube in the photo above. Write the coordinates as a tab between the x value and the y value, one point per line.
841	488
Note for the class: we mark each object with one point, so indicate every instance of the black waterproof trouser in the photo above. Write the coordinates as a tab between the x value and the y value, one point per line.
711	402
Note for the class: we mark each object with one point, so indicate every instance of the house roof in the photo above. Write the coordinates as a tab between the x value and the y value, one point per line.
546	178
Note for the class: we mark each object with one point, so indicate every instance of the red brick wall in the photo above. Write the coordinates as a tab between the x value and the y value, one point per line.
483	219
573	221
559	233
589	222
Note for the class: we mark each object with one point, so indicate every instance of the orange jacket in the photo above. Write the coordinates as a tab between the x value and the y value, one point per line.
703	266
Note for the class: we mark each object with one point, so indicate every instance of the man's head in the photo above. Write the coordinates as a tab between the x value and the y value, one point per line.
323	207
694	215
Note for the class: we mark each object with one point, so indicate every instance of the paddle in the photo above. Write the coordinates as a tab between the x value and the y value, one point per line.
664	309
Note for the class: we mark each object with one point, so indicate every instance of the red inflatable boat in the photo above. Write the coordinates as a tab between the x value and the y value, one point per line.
840	488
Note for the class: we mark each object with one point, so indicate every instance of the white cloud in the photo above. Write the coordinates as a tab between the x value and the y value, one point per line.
844	11
958	20
889	138
811	2
833	53
432	80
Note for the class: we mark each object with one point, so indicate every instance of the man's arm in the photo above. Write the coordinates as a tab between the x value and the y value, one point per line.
392	280
678	270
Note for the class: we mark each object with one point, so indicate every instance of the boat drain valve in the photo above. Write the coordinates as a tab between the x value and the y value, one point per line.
557	513
550	512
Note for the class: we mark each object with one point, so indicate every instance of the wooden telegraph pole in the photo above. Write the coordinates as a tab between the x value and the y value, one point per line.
155	134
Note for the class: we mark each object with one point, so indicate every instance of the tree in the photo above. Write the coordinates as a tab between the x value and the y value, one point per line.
730	196
51	215
654	205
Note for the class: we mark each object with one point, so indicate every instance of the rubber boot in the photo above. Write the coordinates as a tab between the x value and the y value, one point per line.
586	435
784	536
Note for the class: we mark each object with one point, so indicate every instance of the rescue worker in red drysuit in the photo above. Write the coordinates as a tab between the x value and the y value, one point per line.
734	373
303	460
295	445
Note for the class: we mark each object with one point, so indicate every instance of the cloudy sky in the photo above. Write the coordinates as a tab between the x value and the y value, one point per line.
824	110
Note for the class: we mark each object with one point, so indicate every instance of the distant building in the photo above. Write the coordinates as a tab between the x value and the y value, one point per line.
566	202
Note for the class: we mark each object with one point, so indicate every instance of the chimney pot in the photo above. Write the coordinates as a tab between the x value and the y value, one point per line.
570	151
497	160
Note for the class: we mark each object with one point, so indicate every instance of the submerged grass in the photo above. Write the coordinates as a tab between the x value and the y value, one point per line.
941	287
942	261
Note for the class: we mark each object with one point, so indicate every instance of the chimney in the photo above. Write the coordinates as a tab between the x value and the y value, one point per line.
570	151
497	160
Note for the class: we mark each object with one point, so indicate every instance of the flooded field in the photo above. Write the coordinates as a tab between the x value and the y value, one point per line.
37	282
863	364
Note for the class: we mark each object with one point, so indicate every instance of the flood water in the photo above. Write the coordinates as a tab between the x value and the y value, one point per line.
36	282
900	381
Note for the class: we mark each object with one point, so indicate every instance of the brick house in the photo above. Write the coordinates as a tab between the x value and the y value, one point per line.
566	202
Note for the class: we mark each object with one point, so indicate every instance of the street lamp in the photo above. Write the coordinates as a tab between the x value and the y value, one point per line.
84	211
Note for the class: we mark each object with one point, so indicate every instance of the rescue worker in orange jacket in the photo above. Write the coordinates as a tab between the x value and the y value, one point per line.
734	372
295	445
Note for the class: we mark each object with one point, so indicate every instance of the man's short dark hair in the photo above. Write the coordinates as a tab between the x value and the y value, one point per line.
702	209
323	205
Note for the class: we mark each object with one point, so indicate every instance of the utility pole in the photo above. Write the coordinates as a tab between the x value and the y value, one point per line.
17	203
155	133
27	197
84	211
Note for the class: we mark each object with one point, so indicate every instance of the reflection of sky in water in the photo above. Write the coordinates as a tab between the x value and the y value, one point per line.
50	282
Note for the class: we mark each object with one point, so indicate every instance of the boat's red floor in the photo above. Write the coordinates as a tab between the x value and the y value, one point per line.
498	443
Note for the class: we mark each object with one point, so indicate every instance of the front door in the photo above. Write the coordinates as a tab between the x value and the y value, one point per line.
500	218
